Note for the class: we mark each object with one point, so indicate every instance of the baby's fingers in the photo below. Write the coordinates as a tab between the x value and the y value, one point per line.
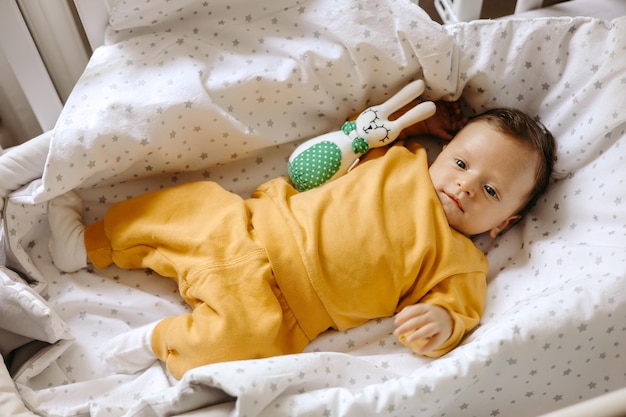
424	339
410	311
414	330
431	344
423	327
410	318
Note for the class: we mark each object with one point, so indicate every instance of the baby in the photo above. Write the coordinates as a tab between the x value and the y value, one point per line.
266	275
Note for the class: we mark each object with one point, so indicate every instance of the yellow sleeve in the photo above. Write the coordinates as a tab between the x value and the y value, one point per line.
463	296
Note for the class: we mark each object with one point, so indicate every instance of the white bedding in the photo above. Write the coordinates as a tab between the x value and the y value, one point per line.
224	90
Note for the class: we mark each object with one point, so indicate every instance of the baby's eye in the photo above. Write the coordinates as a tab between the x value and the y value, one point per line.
489	189
460	163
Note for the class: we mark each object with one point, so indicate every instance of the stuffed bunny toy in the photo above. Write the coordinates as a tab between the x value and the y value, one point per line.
332	155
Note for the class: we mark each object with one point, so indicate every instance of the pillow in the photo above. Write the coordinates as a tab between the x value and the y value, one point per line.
10	402
175	89
25	315
543	66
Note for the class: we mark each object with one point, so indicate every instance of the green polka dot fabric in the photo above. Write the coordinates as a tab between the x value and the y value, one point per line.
315	166
360	145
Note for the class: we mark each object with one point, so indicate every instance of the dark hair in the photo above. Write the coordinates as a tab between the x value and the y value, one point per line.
532	133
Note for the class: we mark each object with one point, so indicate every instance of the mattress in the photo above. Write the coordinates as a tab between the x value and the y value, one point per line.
225	91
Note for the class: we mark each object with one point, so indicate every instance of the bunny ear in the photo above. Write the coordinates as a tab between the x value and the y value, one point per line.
403	97
418	113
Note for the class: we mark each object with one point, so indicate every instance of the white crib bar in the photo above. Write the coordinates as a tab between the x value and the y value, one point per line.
19	48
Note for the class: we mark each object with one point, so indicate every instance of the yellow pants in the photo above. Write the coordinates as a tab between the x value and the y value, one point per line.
199	235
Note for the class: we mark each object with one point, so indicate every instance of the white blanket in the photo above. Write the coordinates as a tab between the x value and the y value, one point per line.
224	90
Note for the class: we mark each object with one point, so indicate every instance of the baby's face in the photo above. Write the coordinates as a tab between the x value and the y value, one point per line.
482	178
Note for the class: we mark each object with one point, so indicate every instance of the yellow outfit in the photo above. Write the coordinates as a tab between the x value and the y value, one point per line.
266	275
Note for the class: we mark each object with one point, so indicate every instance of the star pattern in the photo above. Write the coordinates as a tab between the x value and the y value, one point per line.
225	90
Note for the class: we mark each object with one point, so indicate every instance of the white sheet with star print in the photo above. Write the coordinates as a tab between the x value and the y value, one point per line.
224	90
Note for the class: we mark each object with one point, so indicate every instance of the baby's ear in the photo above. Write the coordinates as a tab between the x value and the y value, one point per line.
508	222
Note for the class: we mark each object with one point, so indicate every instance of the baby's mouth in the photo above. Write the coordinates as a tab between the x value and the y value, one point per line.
456	201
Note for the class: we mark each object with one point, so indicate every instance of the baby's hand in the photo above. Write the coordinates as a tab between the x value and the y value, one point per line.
446	122
423	327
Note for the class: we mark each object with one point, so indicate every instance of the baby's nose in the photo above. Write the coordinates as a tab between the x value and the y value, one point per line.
467	184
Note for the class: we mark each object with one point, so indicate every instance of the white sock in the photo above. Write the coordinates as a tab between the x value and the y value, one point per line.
67	240
131	352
